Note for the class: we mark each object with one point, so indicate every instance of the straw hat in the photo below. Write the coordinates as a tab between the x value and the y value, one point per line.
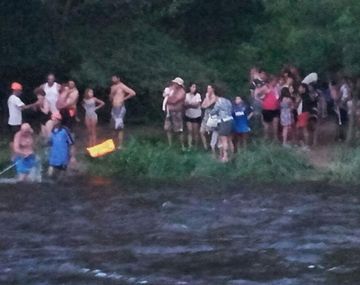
178	81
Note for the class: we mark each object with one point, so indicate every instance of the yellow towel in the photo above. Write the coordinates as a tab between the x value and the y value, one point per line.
101	149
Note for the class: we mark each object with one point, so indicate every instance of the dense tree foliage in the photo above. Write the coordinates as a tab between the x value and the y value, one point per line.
149	42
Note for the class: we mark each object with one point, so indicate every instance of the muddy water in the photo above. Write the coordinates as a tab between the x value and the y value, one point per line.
105	233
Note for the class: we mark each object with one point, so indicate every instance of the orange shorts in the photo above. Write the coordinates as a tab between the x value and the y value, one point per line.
303	120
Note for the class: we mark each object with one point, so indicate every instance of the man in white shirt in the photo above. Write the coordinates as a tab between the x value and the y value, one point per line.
16	106
52	91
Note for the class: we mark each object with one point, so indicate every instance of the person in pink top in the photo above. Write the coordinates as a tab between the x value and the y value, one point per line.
270	108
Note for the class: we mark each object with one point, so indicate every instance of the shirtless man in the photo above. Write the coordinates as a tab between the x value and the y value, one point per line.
175	106
118	95
23	148
72	100
52	90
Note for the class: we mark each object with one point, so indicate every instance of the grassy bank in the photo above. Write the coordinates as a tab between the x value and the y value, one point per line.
345	166
154	160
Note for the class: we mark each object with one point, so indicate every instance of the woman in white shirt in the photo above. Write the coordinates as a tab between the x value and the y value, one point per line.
193	115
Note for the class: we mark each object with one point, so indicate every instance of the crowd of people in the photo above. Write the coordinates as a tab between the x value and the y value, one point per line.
56	110
287	106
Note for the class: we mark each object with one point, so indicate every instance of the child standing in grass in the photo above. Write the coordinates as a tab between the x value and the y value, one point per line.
242	113
286	114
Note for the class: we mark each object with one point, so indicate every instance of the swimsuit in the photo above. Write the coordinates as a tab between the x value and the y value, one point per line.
118	114
90	109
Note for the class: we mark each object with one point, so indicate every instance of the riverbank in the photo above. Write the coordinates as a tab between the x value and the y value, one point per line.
147	159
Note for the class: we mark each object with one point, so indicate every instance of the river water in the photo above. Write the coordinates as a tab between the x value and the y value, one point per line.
100	232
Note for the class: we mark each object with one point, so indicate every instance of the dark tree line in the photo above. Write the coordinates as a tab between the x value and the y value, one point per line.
149	42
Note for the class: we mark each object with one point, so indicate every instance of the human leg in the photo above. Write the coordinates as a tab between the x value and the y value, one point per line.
196	131
189	128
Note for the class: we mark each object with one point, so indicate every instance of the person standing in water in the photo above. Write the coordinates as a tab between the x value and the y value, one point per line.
23	149
52	91
175	109
60	146
71	103
91	104
118	95
44	116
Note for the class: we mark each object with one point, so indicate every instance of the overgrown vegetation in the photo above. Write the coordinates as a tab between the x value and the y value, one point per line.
345	166
146	159
149	42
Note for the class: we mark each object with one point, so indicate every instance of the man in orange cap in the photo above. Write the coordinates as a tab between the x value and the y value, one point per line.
16	106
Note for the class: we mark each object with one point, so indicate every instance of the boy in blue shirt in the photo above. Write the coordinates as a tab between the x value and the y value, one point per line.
242	113
60	146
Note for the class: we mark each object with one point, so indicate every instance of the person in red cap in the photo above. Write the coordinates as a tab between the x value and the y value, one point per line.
16	106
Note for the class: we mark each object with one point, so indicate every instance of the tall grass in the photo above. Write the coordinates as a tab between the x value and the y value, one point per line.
149	159
345	166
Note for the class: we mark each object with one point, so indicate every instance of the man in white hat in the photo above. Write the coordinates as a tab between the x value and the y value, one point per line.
175	110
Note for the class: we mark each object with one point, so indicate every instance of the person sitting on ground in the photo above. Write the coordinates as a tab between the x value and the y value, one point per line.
16	106
193	115
60	146
286	114
118	95
223	109
23	149
91	104
175	104
44	114
242	113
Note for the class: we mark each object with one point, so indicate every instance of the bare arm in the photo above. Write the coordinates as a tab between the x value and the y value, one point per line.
128	91
25	107
177	97
208	102
100	103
